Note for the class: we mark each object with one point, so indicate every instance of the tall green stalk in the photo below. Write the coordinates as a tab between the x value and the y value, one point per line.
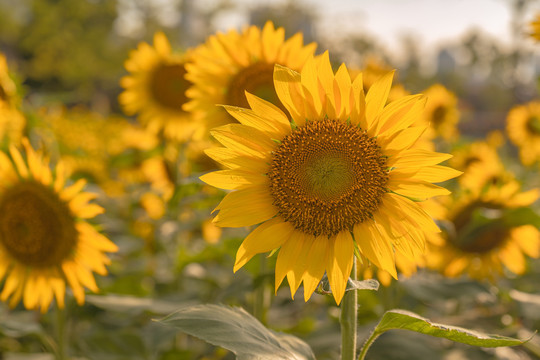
260	296
60	334
348	320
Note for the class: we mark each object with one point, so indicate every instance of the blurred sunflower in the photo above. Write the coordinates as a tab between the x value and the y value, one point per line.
441	113
535	28
155	89
480	164
482	231
372	70
523	128
45	239
338	171
8	89
228	65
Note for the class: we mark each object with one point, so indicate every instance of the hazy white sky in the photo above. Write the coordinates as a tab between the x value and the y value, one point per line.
432	21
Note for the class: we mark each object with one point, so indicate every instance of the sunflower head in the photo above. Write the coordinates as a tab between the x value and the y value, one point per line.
229	64
523	129
155	89
45	239
484	231
441	112
337	171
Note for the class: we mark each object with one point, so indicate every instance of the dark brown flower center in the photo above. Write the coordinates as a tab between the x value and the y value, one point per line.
168	86
533	125
327	176
257	79
474	236
438	115
36	227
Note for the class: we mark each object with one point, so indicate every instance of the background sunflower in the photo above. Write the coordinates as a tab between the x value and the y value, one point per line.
46	242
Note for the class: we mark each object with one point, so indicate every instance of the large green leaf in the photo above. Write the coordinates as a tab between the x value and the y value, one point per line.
400	319
236	330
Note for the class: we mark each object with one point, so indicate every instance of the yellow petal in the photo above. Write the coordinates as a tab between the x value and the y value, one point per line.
416	189
300	264
316	265
417	158
284	82
271	112
22	169
245	139
340	265
376	98
250	118
266	237
288	254
375	246
234	159
245	207
233	179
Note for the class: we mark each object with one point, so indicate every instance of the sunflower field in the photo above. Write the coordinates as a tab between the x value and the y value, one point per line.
234	179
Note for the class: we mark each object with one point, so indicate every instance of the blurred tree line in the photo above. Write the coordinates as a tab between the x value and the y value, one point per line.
72	51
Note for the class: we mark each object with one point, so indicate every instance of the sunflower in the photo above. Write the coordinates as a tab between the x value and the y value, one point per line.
155	89
484	231
8	89
45	239
535	28
480	164
338	171
523	128
227	65
441	113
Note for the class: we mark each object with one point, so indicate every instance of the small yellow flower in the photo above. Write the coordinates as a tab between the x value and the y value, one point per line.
229	64
155	89
46	242
535	28
441	113
335	173
523	128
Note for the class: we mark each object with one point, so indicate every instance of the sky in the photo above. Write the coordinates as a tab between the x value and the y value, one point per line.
432	22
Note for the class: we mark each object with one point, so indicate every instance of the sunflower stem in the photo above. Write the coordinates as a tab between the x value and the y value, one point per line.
260	296
60	334
348	320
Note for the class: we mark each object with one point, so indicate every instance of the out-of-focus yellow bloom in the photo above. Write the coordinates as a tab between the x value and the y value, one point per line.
484	230
523	127
441	113
210	232
535	28
46	242
157	172
373	69
8	89
86	141
480	164
229	64
155	89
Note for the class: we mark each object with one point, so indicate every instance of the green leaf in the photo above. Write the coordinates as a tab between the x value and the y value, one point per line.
236	330
401	319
